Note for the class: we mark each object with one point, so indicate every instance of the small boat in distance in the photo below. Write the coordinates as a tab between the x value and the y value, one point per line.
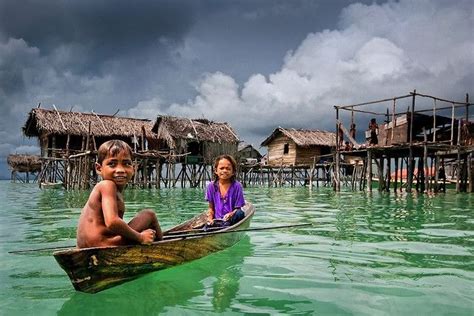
95	269
51	185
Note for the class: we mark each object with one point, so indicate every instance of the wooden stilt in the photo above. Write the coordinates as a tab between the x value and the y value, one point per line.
388	175
470	174
369	170
395	182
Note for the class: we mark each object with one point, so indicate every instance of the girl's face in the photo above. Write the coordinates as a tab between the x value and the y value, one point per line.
224	169
117	168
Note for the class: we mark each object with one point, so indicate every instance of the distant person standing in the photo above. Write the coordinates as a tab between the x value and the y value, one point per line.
352	133
374	128
341	137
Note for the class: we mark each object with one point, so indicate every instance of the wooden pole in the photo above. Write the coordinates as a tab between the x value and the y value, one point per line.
159	168
88	136
395	182
452	125
401	174
425	159
434	121
145	172
469	173
387	186
467	108
394	119
369	169
363	177
458	175
337	186
436	173
380	168
410	155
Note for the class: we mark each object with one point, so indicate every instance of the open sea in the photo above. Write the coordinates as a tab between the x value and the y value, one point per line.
366	254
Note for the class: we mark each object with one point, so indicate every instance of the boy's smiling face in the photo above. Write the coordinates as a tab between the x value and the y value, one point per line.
118	168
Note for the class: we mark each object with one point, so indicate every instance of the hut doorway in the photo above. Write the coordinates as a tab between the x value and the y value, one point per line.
195	153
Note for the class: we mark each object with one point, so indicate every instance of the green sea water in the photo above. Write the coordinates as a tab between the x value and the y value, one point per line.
366	254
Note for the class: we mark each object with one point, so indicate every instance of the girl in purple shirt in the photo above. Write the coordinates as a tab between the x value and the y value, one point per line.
225	194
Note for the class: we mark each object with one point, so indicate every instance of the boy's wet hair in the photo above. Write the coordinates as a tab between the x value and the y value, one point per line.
112	148
232	162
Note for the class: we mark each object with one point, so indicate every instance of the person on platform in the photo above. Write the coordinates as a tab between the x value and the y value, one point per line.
374	129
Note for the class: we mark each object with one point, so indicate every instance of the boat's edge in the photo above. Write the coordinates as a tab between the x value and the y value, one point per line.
67	259
248	208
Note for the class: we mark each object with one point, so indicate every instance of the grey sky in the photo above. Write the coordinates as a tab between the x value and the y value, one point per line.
254	64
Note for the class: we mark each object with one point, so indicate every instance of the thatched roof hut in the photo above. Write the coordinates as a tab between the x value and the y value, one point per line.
246	152
24	163
69	130
201	139
290	146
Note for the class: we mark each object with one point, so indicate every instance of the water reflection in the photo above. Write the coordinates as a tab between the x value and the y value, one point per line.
212	281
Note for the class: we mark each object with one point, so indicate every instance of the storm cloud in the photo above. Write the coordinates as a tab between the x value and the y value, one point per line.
256	65
377	51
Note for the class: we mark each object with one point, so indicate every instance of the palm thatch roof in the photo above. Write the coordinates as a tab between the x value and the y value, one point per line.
175	130
303	137
24	162
43	121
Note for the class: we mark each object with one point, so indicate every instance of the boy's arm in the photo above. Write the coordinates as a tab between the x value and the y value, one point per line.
112	219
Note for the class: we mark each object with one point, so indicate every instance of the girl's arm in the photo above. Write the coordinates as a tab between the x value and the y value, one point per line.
210	214
239	201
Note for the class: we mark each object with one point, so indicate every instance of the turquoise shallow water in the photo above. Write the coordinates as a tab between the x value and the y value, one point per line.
367	254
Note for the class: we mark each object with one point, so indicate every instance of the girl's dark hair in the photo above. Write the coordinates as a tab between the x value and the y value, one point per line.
232	162
112	148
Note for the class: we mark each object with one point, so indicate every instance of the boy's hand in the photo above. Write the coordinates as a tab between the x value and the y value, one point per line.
147	236
210	221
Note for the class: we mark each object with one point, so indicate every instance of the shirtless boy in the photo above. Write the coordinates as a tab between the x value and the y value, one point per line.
101	222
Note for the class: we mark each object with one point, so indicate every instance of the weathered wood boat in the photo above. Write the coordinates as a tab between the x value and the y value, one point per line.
94	269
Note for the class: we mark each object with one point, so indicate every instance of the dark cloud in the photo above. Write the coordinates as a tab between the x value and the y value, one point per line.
254	64
94	32
111	26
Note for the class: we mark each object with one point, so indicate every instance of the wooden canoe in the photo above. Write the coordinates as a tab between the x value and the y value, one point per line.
94	269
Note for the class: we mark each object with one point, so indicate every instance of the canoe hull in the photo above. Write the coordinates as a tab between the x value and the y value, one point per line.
94	269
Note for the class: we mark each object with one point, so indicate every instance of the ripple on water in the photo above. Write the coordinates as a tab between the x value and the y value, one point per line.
365	254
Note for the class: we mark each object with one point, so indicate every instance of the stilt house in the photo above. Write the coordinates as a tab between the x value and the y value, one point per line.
396	132
63	133
247	153
298	147
195	141
29	165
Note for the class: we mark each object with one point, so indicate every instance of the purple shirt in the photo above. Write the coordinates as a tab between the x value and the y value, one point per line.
233	199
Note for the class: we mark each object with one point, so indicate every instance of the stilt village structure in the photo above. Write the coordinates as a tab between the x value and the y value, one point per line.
422	143
168	152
